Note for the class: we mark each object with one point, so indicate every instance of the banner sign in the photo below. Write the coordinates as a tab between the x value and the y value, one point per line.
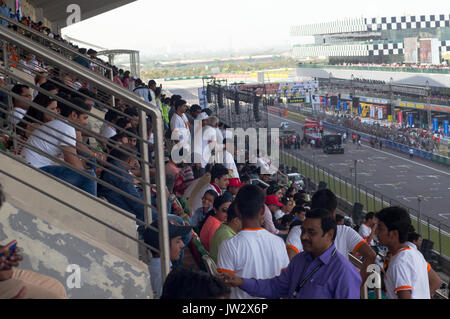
410	119
202	97
297	100
268	88
400	117
380	113
435	125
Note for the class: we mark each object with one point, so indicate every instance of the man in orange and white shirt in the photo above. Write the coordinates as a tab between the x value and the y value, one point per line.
415	242
407	274
367	229
253	252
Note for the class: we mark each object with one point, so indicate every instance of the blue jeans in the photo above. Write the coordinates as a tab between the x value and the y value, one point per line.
74	178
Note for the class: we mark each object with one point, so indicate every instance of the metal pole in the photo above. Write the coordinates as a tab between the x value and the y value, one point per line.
392	102
367	201
334	181
111	77
314	168
430	121
419	228
10	113
346	189
353	193
356	185
161	197
440	241
145	169
374	202
428	220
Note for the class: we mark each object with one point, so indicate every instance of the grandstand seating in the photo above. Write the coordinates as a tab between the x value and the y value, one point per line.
98	236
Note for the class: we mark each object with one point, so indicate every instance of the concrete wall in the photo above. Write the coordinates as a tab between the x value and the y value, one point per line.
61	215
49	250
54	235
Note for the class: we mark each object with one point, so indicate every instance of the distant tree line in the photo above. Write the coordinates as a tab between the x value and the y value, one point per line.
157	71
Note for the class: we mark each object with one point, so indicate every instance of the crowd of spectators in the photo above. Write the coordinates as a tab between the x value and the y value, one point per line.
412	137
267	240
442	66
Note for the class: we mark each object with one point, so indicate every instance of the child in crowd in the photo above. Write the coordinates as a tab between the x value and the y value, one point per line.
207	203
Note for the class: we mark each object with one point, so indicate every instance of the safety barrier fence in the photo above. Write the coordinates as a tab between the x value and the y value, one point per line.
372	200
344	187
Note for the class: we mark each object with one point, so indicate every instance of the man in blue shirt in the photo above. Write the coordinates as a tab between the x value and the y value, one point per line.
118	175
81	58
4	11
320	272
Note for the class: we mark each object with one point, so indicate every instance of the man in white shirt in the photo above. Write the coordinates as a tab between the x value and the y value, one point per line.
367	229
347	239
56	141
31	64
228	159
20	107
179	124
106	130
209	141
253	252
407	274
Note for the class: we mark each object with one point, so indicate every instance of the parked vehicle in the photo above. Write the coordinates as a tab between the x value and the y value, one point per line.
296	179
332	144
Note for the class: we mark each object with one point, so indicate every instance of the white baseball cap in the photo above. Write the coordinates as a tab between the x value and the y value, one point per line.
202	116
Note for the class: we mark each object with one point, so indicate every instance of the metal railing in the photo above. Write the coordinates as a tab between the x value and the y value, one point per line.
65	49
93	157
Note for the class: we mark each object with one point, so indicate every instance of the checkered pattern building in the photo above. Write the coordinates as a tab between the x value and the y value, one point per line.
408	22
385	49
445	46
332	33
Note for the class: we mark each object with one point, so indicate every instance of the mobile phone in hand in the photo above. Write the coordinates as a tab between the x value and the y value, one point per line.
9	249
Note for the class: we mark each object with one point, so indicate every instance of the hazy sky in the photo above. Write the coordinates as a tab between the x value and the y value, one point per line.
157	26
